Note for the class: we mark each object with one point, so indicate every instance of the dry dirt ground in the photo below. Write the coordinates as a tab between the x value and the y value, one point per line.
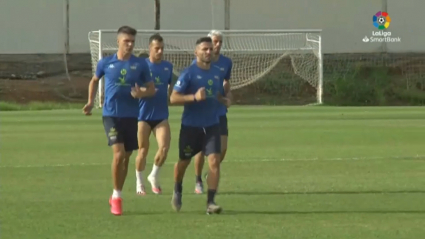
52	89
61	89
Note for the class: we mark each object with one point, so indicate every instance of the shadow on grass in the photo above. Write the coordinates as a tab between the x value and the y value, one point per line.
277	212
323	192
164	212
240	212
288	212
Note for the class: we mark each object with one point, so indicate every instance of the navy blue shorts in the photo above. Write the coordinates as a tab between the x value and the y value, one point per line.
121	131
193	140
224	130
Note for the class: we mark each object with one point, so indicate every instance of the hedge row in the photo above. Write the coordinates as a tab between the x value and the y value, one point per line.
362	86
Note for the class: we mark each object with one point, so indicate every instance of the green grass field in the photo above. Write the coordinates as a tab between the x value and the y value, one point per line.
291	172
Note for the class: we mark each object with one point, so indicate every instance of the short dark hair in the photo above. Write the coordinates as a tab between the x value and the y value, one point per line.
127	30
156	37
203	39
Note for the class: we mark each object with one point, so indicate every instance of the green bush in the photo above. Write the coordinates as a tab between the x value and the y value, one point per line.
367	86
357	86
361	87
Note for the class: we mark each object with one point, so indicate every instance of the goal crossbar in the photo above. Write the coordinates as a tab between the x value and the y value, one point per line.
254	52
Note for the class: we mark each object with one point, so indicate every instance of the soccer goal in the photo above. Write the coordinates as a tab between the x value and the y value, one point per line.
255	53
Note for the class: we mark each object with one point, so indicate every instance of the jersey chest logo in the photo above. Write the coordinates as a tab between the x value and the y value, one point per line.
122	78
209	89
158	80
127	73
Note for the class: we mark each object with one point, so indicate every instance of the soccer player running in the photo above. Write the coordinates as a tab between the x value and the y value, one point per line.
224	64
198	89
123	75
153	116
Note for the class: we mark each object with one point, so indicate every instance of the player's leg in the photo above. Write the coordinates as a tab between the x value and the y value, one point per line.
163	137
130	143
115	201
125	166
213	153
199	165
190	143
143	133
224	132
114	132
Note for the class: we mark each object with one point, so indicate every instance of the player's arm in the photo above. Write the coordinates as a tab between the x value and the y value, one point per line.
223	99
178	95
227	91
226	99
179	98
144	91
94	83
226	83
148	89
170	80
169	90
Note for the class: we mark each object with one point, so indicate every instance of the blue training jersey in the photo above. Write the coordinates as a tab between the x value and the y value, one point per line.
156	107
225	65
119	77
201	113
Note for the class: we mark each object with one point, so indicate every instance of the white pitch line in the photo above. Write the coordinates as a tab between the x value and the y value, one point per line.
264	160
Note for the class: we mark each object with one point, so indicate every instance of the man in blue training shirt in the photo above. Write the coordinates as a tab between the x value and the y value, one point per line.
153	116
224	64
123	75
198	89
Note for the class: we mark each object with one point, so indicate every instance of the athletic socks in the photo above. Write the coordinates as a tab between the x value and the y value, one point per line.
116	194
211	196
178	187
155	171
139	177
199	179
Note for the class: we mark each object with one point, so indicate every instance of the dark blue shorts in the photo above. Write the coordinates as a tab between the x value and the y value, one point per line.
121	131
224	130
193	140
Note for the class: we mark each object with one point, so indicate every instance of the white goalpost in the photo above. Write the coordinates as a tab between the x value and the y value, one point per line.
255	53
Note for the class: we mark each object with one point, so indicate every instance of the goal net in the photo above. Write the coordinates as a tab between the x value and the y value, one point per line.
256	55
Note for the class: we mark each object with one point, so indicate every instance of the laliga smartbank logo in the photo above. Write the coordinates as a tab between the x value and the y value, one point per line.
381	21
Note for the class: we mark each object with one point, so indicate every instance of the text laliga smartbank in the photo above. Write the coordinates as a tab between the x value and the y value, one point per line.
381	20
381	36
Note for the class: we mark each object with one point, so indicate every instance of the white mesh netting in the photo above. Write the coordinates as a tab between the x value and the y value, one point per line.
254	53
